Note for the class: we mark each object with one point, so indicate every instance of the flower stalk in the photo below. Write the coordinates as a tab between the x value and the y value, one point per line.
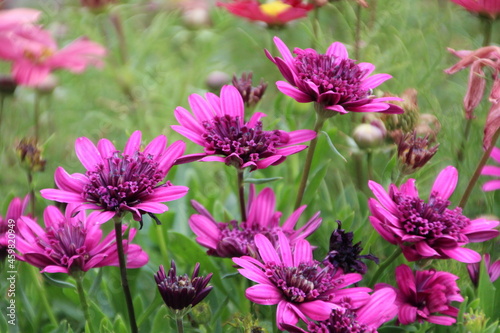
320	120
78	276
179	323
479	168
123	273
383	266
241	194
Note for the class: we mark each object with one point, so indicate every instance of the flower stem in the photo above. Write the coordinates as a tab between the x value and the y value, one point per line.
43	295
241	194
488	27
479	168
315	26
31	187
307	165
180	325
37	115
369	164
383	266
2	100
123	273
461	151
122	41
83	299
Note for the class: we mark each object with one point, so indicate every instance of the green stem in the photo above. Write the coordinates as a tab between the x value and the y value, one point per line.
357	36
373	13
37	115
479	168
369	164
383	266
307	165
43	295
122	41
241	195
315	26
31	193
461	151
123	273
180	325
488	27
2	100
83	299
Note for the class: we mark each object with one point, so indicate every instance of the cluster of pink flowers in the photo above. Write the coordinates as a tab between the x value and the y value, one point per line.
34	53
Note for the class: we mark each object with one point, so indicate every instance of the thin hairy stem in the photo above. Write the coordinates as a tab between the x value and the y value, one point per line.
241	195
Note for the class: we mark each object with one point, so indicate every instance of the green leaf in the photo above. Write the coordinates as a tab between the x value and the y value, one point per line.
332	146
57	283
486	292
261	180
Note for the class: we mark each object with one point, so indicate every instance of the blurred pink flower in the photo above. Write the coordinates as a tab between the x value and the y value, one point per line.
8	224
274	14
333	81
493	269
72	243
425	296
492	170
301	287
379	309
489	8
218	125
34	54
235	239
117	182
13	19
426	230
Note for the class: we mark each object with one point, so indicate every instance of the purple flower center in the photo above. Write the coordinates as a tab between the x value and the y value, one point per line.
304	283
340	321
66	244
124	182
430	220
343	78
224	135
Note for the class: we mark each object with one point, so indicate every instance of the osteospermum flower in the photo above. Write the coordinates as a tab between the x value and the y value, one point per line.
426	296
301	287
426	230
334	82
380	308
13	19
35	54
8	225
218	125
274	14
493	269
235	239
492	170
181	292
118	182
69	244
488	8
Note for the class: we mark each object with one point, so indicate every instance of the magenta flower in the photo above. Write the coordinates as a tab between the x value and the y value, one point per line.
8	225
117	182
13	19
235	239
493	269
379	309
426	230
489	8
72	243
301	287
34	54
492	170
180	292
332	80
218	125
426	296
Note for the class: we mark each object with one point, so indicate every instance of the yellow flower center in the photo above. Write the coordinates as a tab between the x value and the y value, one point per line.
274	8
38	58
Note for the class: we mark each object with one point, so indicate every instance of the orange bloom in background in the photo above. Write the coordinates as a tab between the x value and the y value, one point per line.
274	14
488	8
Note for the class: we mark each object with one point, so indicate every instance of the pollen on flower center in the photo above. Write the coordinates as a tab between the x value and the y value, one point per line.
225	135
302	283
124	182
343	78
40	57
432	219
274	8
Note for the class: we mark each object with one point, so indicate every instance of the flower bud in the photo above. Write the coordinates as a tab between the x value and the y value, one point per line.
7	85
368	136
251	95
96	6
216	79
47	86
196	18
30	154
414	152
407	121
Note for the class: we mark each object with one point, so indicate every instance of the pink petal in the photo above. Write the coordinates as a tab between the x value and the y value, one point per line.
133	144
445	183
169	193
302	253
88	154
383	197
264	294
285	250
338	50
289	90
266	249
232	102
375	80
106	148
317	310
61	196
156	146
462	254
262	211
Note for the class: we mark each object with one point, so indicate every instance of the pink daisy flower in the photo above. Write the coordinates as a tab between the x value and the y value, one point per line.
8	225
118	182
492	170
301	287
72	243
35	54
13	19
489	8
426	296
379	309
333	81
218	125
274	13
235	239
426	230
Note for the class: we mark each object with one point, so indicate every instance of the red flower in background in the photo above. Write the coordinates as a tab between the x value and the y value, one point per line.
276	13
